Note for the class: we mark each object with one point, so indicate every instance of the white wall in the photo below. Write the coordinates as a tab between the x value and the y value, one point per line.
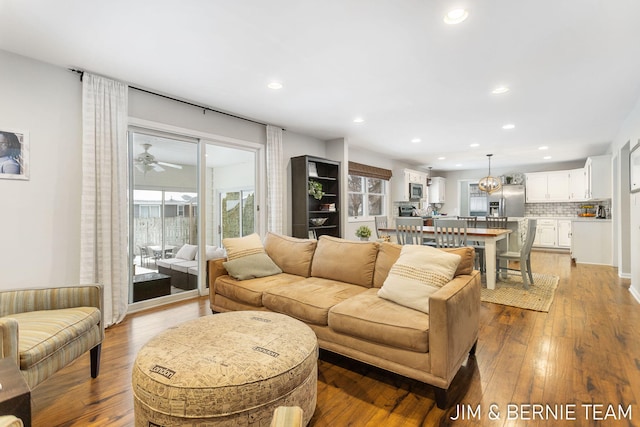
295	145
628	225
40	238
40	243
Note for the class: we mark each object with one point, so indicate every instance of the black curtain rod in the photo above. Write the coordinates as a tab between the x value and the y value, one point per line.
184	102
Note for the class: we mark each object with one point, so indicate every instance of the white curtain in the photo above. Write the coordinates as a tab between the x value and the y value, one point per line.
103	230
275	180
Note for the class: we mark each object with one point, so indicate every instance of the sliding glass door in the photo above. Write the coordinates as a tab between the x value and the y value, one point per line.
178	186
164	214
231	185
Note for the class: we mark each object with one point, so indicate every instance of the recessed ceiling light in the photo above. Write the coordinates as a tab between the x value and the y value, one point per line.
544	147
474	145
508	126
456	16
441	158
416	140
458	165
358	120
500	90
275	85
546	157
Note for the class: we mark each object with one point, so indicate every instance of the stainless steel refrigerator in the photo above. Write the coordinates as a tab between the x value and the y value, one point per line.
509	201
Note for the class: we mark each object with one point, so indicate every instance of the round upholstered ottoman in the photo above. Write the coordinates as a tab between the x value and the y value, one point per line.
228	369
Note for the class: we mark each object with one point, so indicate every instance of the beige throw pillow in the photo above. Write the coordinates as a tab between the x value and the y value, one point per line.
237	247
251	266
417	274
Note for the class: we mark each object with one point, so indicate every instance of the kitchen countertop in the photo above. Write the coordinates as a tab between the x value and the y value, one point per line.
573	218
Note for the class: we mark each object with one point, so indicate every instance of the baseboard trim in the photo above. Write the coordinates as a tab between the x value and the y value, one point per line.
635	293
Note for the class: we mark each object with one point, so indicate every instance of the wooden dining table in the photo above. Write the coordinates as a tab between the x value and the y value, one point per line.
493	239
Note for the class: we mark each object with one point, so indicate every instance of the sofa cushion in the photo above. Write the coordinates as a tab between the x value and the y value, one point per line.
44	332
372	318
388	254
237	247
187	252
251	267
292	255
168	262
310	299
419	272
250	291
184	266
345	261
213	252
467	259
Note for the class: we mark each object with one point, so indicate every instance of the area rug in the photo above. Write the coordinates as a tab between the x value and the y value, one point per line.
509	291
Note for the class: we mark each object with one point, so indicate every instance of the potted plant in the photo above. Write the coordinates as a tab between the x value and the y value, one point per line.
315	189
363	232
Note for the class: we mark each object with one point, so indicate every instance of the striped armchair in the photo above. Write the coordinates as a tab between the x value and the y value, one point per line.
43	330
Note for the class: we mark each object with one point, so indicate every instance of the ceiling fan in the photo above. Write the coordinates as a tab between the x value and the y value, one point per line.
146	162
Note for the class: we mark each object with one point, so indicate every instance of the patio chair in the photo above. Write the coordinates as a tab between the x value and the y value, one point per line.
144	256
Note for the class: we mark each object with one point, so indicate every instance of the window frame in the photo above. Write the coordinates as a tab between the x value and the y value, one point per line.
366	216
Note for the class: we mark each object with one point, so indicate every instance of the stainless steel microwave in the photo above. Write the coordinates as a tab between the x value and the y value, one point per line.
415	191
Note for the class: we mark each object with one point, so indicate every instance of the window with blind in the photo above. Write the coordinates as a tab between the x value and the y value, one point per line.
367	191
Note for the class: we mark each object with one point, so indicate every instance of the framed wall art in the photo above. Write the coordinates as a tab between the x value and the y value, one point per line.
634	169
14	154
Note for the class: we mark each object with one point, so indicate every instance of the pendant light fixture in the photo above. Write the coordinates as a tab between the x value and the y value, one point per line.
489	183
429	177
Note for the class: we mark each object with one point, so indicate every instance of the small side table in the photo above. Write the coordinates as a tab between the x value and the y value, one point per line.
150	285
15	396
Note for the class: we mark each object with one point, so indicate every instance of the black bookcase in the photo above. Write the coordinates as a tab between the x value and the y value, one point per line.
306	207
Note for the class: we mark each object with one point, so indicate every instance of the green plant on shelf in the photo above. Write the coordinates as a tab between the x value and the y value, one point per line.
315	189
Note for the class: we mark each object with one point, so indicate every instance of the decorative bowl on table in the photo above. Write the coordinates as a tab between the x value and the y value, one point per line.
317	222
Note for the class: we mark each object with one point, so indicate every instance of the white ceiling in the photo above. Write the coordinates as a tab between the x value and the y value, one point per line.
573	67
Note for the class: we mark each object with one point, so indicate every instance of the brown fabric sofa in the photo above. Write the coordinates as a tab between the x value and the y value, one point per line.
332	285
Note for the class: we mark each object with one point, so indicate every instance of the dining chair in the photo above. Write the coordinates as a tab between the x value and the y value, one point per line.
381	222
409	230
450	233
472	222
523	255
497	222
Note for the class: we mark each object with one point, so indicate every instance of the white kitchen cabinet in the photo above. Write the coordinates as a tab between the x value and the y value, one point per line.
437	190
405	177
547	186
598	177
591	241
536	187
564	233
546	233
577	185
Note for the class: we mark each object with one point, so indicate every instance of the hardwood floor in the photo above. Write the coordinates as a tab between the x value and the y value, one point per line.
586	350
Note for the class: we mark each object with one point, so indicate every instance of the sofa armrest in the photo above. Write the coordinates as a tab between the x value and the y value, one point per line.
24	300
215	270
454	320
9	338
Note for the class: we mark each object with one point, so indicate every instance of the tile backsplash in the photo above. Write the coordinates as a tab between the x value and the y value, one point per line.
567	209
